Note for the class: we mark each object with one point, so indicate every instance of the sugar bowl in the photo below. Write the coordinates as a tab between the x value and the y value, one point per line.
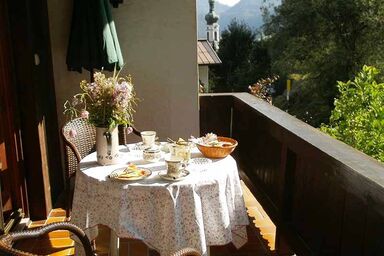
152	154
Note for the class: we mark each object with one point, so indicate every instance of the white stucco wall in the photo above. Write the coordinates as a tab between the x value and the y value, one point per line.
158	41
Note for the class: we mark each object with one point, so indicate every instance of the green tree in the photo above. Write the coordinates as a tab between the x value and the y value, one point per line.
325	41
244	59
358	117
235	50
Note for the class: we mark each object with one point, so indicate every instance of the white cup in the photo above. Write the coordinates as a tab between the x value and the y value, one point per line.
174	166
148	138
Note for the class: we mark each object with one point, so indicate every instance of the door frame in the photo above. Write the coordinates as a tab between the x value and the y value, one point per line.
34	90
13	162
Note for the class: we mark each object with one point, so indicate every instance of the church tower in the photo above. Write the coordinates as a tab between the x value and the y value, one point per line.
213	29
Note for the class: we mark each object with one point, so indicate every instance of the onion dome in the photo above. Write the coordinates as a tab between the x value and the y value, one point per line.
211	17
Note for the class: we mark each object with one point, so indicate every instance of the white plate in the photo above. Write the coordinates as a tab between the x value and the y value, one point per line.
164	175
200	161
117	174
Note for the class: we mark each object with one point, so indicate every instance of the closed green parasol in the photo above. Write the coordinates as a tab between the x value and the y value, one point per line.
93	42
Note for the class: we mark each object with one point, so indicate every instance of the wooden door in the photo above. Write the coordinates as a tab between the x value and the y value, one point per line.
12	187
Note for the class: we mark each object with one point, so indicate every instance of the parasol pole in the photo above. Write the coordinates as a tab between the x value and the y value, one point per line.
91	74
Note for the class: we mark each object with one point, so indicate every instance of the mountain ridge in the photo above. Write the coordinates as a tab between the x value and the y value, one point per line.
247	11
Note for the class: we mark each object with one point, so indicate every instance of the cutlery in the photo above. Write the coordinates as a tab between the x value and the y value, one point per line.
171	140
116	174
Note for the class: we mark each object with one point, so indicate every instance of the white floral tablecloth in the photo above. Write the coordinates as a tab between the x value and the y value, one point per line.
206	208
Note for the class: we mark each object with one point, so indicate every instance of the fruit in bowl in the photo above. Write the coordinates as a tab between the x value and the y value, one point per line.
218	147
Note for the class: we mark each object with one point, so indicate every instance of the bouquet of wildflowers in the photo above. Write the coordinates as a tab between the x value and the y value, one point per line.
106	102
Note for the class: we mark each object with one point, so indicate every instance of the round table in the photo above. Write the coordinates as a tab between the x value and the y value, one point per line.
206	208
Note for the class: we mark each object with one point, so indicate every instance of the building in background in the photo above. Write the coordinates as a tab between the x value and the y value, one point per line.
206	56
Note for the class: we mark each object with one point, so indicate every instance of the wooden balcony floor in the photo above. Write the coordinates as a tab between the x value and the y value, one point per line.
261	237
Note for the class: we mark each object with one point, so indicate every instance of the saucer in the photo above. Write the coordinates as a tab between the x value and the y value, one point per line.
165	176
139	146
200	161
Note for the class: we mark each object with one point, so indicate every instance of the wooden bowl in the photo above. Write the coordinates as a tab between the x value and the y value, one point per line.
218	152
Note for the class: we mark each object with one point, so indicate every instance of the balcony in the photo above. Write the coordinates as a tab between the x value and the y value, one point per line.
324	197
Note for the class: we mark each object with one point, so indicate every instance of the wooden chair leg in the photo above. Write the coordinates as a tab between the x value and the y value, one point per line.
68	197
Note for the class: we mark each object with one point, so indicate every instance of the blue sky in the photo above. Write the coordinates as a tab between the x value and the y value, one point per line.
228	2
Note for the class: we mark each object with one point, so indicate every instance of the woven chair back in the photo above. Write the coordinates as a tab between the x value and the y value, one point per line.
79	140
124	135
187	252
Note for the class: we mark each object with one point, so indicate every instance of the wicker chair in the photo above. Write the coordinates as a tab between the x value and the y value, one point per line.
187	252
79	137
7	241
123	134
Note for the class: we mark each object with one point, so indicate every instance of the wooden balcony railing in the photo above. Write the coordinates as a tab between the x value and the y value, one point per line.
325	197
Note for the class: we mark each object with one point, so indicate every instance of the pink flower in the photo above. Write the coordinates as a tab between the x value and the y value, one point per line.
129	130
109	99
72	133
84	113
